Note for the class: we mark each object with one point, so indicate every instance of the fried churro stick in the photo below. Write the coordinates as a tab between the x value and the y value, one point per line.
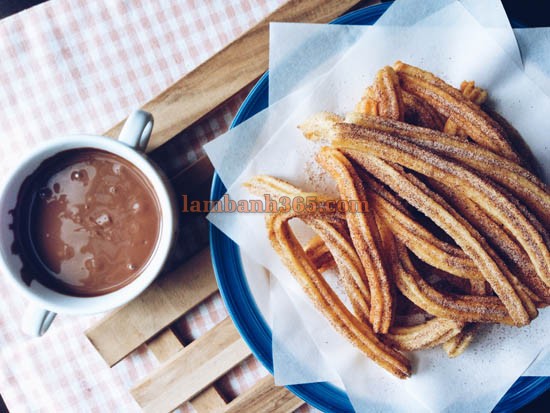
317	126
501	207
416	237
465	308
457	344
333	232
388	94
503	243
368	103
451	103
319	254
364	235
383	98
475	95
478	287
265	184
327	302
519	305
437	253
350	270
419	112
352	137
426	335
440	254
518	180
457	227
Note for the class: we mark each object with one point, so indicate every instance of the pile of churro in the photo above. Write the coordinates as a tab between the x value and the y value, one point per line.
456	229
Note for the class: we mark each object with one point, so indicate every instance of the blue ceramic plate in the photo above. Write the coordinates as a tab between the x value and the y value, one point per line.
242	308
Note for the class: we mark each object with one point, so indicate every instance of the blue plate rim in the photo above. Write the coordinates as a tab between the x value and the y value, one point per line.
249	322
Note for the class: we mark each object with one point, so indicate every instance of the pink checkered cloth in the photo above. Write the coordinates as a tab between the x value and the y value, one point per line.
73	66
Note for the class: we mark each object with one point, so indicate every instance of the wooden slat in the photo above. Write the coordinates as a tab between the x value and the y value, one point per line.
164	346
228	71
208	401
192	369
169	297
264	396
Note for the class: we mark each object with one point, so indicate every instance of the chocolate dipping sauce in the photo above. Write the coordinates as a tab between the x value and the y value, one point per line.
86	223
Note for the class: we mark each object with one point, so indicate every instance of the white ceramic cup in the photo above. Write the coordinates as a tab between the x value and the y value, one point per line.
45	302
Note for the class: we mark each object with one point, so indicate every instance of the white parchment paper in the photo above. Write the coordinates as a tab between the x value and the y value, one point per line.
535	50
483	373
435	13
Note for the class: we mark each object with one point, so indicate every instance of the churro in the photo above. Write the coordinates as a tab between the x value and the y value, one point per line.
417	238
426	335
501	207
475	95
368	103
364	235
456	345
388	94
360	334
319	254
456	227
451	306
503	243
418	112
451	103
526	186
349	266
332	232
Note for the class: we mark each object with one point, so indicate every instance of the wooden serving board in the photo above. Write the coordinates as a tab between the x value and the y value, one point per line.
189	373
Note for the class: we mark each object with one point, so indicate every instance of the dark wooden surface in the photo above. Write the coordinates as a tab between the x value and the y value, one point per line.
529	12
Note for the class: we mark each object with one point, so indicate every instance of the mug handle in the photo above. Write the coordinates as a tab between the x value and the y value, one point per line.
137	130
36	320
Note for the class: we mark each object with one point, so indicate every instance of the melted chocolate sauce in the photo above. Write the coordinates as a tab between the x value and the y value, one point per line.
86	223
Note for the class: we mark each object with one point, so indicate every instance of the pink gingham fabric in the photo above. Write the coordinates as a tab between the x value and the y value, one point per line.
75	66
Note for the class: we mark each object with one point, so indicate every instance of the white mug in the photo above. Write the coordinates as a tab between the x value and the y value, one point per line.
45	302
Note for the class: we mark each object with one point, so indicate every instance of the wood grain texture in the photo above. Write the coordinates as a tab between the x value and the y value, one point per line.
164	346
208	401
164	301
264	396
228	71
192	369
